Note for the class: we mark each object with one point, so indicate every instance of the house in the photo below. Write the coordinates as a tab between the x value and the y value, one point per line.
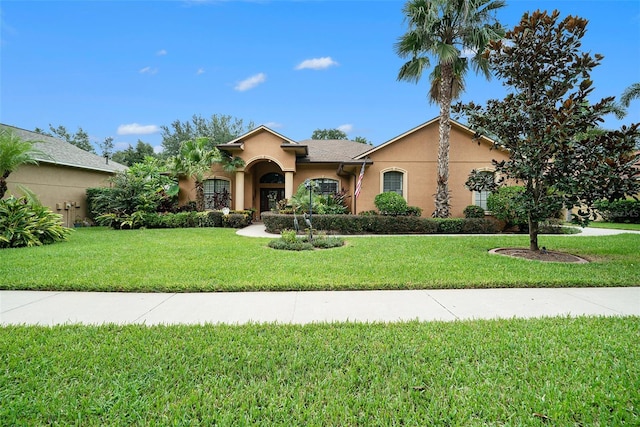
275	166
62	176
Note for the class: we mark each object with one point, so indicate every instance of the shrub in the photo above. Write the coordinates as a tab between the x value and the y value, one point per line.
620	211
25	222
390	203
473	211
506	205
449	225
290	241
413	211
479	226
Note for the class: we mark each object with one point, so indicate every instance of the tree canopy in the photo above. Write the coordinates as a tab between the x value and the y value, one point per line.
327	134
80	138
549	125
131	155
218	129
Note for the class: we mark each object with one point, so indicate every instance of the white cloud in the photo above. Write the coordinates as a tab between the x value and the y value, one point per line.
273	125
158	149
346	128
137	129
148	70
316	63
200	71
251	82
161	52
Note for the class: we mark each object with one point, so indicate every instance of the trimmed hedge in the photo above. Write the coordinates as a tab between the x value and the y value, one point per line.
620	211
381	224
237	219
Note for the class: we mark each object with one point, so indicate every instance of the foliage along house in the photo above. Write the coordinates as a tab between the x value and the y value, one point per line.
275	166
62	176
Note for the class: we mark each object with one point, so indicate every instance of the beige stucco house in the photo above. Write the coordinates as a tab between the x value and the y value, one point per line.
275	166
62	176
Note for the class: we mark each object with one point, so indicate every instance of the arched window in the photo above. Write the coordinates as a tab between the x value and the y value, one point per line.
326	185
480	197
393	181
217	193
272	178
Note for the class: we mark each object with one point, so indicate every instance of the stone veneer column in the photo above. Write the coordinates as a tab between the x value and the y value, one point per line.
288	185
239	190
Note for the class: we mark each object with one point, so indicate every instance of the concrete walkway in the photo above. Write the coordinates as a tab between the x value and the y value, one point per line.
53	308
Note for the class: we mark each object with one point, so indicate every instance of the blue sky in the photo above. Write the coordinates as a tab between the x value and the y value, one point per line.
123	68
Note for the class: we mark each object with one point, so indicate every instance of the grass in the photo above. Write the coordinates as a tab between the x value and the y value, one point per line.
189	260
553	371
615	225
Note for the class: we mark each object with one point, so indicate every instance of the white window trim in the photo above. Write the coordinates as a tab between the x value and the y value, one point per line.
223	178
405	180
339	188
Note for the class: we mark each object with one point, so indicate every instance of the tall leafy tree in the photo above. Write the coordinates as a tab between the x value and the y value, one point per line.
80	138
131	155
194	160
218	129
14	152
327	134
454	33
549	125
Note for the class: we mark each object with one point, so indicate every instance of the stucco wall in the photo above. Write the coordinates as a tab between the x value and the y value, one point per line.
54	185
416	155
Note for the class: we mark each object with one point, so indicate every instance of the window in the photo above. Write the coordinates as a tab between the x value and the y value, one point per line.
272	178
480	197
392	181
326	186
217	193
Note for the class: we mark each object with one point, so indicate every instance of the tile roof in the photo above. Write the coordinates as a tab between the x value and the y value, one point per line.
60	152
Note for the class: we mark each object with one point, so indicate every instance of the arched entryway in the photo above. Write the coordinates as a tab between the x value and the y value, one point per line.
271	188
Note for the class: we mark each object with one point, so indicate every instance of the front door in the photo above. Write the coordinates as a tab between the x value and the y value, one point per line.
269	197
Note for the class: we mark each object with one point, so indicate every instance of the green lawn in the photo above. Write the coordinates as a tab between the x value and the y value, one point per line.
554	371
216	259
615	225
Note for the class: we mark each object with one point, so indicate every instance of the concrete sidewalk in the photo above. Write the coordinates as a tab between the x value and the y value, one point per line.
53	308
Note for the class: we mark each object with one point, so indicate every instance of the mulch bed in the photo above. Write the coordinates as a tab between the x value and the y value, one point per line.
541	255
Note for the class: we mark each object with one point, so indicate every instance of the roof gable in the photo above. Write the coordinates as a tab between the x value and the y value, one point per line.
433	122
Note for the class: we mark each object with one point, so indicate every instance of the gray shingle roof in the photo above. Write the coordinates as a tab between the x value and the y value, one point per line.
62	153
332	150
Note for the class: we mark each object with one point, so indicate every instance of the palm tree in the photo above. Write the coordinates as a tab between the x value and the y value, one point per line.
194	160
14	152
632	92
454	33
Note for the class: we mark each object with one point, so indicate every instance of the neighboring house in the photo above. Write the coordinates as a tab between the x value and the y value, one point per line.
62	176
275	166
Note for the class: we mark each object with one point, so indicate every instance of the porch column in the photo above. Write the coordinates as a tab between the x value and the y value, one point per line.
239	190
288	185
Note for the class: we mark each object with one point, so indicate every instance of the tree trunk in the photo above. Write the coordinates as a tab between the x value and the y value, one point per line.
3	187
442	196
533	235
199	196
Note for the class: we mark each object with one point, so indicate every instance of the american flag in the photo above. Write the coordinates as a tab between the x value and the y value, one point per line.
359	184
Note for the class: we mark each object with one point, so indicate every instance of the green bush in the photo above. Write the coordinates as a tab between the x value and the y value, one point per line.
27	223
383	224
390	203
473	211
506	205
291	242
620	211
449	225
